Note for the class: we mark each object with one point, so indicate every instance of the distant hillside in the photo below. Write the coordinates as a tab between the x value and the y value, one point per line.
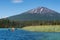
36	16
40	13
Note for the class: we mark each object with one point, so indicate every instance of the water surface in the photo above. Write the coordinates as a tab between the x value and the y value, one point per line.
18	34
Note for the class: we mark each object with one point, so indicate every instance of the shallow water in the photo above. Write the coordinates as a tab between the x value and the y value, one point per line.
7	34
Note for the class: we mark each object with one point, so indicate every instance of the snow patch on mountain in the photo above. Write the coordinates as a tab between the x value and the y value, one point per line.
41	10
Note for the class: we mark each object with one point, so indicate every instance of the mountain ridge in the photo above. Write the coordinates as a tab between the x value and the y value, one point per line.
39	13
41	10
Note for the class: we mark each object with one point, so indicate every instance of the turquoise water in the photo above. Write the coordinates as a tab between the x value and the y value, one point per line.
7	34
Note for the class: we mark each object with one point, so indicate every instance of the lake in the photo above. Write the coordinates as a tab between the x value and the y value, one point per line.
19	34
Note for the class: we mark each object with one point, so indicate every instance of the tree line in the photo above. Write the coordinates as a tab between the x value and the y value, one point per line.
5	23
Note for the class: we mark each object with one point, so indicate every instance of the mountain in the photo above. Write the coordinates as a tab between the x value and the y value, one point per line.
39	13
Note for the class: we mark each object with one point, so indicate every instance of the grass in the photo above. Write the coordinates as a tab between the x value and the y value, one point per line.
43	28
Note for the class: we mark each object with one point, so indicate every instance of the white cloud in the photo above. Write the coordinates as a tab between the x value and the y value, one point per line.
17	1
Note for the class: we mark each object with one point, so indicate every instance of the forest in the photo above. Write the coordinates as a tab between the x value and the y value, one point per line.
5	23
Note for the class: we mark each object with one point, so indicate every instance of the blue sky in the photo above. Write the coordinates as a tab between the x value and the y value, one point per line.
13	7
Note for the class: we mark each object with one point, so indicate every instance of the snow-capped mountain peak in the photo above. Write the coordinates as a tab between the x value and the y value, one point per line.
41	10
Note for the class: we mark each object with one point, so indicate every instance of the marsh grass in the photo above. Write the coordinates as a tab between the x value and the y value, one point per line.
43	28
